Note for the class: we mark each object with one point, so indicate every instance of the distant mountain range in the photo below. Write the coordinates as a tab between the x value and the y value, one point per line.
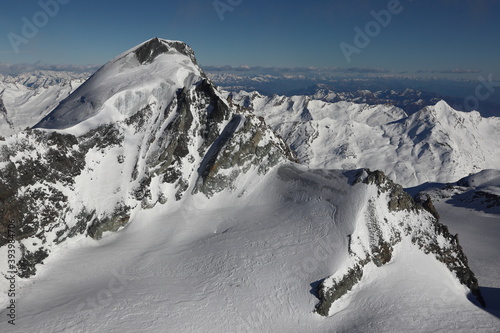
408	93
28	97
434	144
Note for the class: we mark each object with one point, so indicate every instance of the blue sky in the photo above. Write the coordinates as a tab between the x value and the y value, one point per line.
425	36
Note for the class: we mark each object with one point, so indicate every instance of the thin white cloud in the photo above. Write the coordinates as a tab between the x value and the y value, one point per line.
451	71
287	70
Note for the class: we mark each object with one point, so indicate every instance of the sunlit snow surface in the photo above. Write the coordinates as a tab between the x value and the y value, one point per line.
249	265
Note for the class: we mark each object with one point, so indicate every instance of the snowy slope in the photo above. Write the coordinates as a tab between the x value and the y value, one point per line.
436	144
248	264
471	209
29	97
479	192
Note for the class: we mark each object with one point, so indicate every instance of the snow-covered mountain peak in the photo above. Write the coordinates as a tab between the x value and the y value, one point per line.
148	74
443	106
432	113
149	50
146	129
442	122
445	115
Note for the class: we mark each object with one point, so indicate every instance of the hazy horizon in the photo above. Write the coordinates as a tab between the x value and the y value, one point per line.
449	39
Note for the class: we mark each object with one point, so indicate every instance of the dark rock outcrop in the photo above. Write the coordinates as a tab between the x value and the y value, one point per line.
338	289
147	52
428	235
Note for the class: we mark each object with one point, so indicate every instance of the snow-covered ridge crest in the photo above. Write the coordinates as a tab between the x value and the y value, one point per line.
149	73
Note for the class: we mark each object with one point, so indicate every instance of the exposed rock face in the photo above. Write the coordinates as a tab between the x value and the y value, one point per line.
37	185
114	222
341	286
426	202
3	115
387	225
398	198
234	153
57	186
148	51
451	254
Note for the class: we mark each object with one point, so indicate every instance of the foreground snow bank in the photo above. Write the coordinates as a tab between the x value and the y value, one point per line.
247	264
